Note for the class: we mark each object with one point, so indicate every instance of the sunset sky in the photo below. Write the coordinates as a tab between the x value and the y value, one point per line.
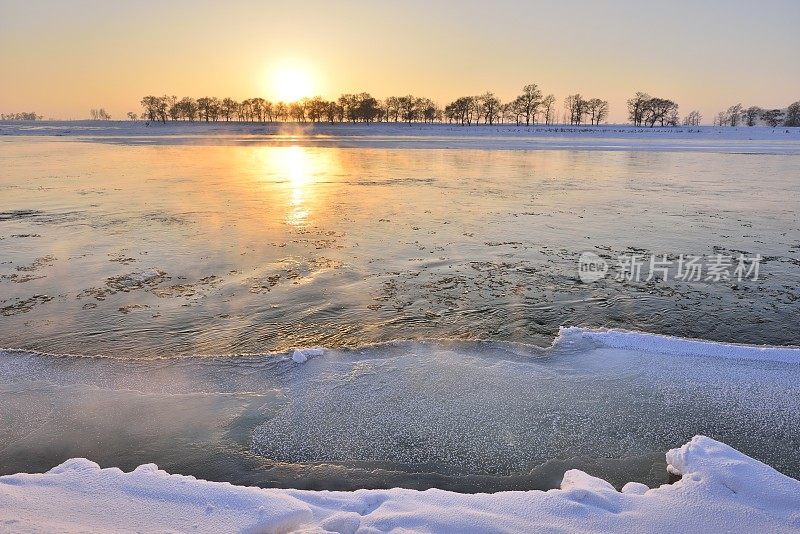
61	57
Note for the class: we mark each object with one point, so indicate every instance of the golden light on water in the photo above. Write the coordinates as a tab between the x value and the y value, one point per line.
294	173
297	165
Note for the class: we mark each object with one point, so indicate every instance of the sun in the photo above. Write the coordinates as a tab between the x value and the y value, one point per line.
292	81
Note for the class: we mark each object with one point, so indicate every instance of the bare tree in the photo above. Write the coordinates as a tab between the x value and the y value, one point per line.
489	107
152	107
661	110
99	114
315	109
362	107
548	104
636	108
205	107
772	117
734	115
174	108
793	115
23	116
227	108
260	109
528	102
281	112
460	110
576	108
428	109
751	115
597	110
392	105
331	111
693	119
297	111
408	108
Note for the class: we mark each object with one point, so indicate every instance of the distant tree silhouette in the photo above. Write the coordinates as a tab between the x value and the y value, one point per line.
548	105
527	104
597	110
793	115
408	108
636	108
659	110
460	111
99	114
228	108
751	115
392	109
315	108
734	115
489	107
577	108
773	117
23	116
693	119
208	108
281	112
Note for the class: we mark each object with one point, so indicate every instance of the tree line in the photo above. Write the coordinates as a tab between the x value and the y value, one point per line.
99	114
738	115
646	110
529	108
24	116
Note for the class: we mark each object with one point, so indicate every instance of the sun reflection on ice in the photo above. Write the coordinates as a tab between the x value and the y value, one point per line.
296	172
296	164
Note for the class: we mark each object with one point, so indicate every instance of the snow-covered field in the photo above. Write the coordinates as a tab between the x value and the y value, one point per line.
720	489
751	140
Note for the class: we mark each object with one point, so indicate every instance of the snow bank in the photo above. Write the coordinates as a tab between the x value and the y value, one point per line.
624	339
720	489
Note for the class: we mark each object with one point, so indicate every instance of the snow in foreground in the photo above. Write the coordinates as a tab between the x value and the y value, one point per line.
721	489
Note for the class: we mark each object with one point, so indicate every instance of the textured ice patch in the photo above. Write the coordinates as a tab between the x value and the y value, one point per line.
485	409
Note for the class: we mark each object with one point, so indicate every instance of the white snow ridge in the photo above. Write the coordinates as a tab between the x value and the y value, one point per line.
721	489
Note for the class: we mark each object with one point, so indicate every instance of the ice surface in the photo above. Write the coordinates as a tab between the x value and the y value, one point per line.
721	489
467	416
178	249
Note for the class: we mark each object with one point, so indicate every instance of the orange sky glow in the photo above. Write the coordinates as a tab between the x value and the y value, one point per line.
61	58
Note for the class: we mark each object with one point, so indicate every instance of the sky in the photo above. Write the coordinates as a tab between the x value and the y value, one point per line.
61	58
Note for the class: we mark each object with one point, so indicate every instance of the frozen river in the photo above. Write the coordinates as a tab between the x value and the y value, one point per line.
216	245
186	255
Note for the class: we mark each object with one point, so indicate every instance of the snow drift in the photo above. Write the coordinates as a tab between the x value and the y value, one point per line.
720	489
